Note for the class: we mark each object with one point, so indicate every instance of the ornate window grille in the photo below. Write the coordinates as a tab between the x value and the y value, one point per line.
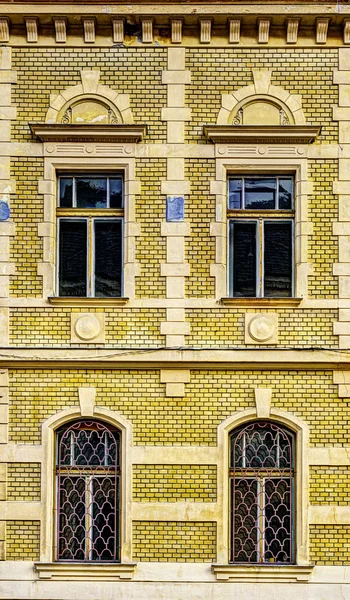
262	494
88	492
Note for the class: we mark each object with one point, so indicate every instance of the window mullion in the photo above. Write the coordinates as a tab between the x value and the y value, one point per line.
260	258
90	261
88	517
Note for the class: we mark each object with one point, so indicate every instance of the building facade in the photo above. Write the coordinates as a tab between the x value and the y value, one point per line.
174	300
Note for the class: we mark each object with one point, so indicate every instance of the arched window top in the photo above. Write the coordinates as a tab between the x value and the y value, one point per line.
90	111
88	443
88	492
262	445
261	110
262	494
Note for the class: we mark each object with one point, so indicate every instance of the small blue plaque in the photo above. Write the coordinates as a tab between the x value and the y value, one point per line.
4	211
175	208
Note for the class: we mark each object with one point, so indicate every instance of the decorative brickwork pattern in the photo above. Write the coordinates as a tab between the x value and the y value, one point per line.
330	544
23	481
330	485
135	71
323	245
224	328
174	483
200	212
52	326
216	71
171	541
26	212
150	212
22	540
211	397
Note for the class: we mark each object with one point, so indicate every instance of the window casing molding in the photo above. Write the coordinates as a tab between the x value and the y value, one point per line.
301	431
49	428
253	164
48	228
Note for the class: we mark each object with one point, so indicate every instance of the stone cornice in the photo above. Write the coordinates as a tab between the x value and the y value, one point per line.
255	134
229	359
59	132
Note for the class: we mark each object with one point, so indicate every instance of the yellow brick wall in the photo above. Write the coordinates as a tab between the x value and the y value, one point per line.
174	483
224	327
330	485
150	212
26	212
174	541
52	326
23	481
200	212
22	540
211	397
330	544
216	71
134	71
323	245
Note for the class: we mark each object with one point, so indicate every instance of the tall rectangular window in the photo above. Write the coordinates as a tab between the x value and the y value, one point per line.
261	220
90	239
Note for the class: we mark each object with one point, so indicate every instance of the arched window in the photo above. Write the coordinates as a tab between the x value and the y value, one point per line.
88	492
262	494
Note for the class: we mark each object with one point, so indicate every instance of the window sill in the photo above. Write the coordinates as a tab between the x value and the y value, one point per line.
263	573
86	302
85	571
261	302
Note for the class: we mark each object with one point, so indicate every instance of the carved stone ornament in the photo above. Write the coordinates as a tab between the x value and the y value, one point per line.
292	31
32	29
238	119
205	34
234	31
4	29
60	29
321	30
176	31
87	327
147	31
118	30
261	328
263	31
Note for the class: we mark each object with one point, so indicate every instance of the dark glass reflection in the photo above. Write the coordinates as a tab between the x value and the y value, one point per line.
108	258
235	193
243	255
66	192
285	193
115	193
72	258
91	192
259	193
278	259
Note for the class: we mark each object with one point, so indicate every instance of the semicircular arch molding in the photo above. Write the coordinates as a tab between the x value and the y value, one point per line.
89	102
261	103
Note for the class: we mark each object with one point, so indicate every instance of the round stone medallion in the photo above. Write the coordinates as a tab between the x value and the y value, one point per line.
87	327
261	328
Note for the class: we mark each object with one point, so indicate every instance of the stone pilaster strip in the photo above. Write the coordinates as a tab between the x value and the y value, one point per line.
3	443
7	186
175	270
341	187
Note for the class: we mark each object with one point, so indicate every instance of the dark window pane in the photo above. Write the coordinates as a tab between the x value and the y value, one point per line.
66	192
285	193
104	518
235	193
115	193
72	258
246	533
108	258
278	259
91	192
260	193
243	259
72	518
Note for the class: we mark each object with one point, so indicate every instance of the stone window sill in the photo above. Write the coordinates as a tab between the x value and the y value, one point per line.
261	302
85	571
263	573
86	302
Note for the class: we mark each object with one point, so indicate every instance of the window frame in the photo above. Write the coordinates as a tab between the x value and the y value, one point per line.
260	479
90	216
260	217
84	474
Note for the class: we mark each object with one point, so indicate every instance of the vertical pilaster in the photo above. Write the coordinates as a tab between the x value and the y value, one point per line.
342	188
4	398
175	269
7	187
